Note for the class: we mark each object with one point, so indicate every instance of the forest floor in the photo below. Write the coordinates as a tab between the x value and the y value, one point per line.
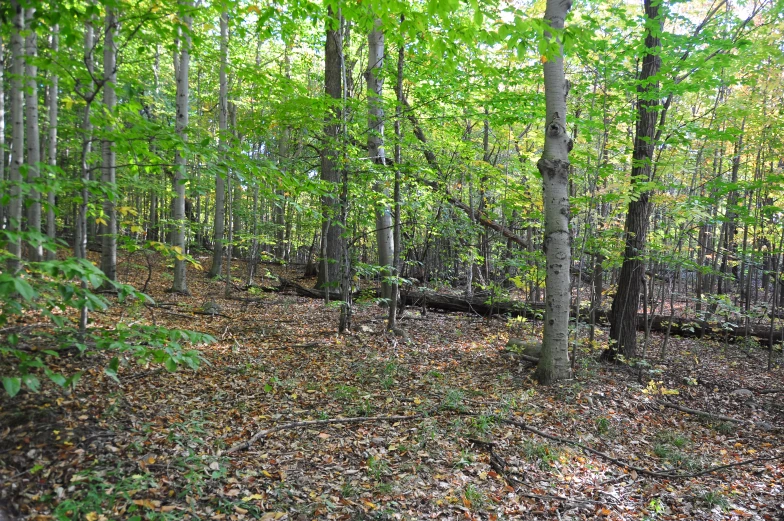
429	436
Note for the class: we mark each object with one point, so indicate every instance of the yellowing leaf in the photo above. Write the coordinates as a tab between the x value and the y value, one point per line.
92	516
253	497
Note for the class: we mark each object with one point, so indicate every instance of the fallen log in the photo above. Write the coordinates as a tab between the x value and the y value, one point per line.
481	305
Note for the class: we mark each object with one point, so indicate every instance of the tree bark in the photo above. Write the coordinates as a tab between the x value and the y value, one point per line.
623	338
393	304
554	167
377	154
2	127
220	181
182	66
51	148
36	252
331	248
17	136
108	177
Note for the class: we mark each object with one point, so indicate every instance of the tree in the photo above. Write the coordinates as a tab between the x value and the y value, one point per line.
181	70
33	138
16	99
554	167
331	231
377	154
109	158
623	316
223	114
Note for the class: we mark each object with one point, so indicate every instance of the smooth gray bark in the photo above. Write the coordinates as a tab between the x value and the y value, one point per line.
36	252
51	147
377	154
182	67
2	127
554	167
220	181
17	135
393	304
108	177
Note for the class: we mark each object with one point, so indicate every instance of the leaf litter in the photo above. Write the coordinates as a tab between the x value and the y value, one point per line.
364	426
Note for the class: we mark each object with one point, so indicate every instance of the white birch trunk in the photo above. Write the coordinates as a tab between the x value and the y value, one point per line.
51	148
17	135
108	177
220	181
182	66
375	85
554	167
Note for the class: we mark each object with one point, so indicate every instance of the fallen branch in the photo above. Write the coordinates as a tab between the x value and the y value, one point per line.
294	425
701	413
638	470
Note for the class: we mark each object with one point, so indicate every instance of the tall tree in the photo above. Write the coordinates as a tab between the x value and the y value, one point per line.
623	315
33	138
16	100
377	154
2	126
223	114
51	144
181	68
331	231
108	177
554	167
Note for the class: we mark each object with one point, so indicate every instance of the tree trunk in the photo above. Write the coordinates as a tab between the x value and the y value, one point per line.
182	66
108	177
395	298
17	136
2	128
331	248
623	335
51	104
377	155
220	181
33	138
554	167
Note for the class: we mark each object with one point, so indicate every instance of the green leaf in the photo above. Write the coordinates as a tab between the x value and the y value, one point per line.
24	289
12	385
32	382
111	369
171	365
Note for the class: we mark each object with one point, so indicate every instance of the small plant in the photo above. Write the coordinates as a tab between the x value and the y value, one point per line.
714	498
672	438
483	424
541	453
377	467
453	400
348	490
465	459
472	495
602	425
725	428
345	393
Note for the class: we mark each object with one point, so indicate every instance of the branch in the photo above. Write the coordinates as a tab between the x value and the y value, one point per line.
294	425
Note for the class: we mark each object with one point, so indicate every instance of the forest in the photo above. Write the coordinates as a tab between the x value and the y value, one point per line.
389	259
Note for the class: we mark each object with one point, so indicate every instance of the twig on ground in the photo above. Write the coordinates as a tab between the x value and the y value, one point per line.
701	413
294	425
